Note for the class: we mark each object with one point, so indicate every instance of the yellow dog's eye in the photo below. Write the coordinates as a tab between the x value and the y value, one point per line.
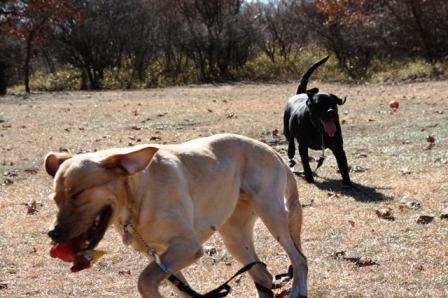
74	193
75	196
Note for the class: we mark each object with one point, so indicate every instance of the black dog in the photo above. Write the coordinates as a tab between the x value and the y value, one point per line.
312	118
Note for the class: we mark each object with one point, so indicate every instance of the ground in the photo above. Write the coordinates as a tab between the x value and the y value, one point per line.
373	241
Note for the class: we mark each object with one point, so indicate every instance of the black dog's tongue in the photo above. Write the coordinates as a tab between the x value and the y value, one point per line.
329	127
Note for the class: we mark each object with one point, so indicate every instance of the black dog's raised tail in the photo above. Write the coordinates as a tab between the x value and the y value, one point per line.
307	75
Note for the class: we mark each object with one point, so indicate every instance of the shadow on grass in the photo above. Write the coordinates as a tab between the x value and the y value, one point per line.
358	192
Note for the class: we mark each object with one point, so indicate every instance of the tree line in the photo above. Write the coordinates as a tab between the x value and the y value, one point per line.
209	40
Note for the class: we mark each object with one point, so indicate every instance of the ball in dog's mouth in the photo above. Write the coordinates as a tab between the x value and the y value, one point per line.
70	251
329	127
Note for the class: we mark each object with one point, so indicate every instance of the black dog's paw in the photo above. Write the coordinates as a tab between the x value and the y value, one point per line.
292	163
309	178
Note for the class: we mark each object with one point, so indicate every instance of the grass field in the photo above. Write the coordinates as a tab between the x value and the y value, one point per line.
354	248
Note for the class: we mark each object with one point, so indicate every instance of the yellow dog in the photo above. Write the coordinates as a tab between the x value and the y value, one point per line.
166	200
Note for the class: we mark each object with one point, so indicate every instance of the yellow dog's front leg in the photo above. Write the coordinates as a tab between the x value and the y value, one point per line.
180	254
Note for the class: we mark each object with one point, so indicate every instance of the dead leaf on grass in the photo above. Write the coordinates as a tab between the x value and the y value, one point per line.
358	169
365	262
332	194
9	174
310	204
8	182
31	171
385	213
358	261
419	268
409	205
209	250
32	207
405	171
283	294
424	219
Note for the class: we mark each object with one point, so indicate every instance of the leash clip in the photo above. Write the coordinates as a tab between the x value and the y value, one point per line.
166	270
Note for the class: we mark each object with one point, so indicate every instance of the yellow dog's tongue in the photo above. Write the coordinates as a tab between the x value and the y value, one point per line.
329	127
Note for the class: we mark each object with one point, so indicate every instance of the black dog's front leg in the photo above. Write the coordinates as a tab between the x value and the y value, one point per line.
303	151
341	159
291	153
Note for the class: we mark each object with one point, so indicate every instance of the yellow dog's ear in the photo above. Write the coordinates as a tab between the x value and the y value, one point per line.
132	160
54	160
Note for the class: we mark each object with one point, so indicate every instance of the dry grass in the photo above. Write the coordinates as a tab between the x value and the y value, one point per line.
392	168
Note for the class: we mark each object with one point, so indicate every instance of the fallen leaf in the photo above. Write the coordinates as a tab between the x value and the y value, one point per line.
310	204
419	268
31	171
8	182
384	213
424	219
405	171
410	205
365	262
32	207
338	253
283	294
209	250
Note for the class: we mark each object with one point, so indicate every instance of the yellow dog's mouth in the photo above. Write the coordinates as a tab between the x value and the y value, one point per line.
67	251
93	235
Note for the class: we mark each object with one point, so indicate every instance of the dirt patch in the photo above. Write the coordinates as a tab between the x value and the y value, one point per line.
351	249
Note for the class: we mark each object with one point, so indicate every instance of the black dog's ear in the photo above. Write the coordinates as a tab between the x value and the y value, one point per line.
310	95
338	100
312	91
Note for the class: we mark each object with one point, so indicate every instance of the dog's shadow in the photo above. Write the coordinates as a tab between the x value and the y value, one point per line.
358	192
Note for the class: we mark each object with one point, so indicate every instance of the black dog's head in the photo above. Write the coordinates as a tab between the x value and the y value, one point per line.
324	108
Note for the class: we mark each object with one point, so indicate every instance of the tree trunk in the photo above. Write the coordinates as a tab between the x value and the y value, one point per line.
3	80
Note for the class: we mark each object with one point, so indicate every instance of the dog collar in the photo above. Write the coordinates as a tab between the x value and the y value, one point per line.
150	251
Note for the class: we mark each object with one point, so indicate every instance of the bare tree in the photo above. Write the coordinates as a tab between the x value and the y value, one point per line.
282	27
212	38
